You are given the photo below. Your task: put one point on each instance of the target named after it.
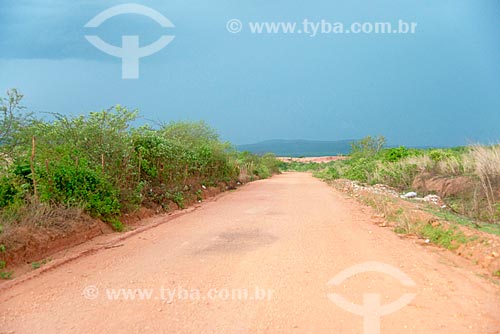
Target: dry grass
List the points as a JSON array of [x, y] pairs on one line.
[[487, 168], [41, 214], [479, 164]]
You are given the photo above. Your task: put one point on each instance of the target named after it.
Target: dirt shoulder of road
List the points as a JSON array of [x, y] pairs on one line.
[[429, 223]]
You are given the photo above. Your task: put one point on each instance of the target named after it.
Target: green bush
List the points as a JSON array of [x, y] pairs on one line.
[[439, 155], [7, 192], [100, 163], [79, 185], [398, 175], [446, 237], [396, 154], [328, 173], [360, 169], [256, 165]]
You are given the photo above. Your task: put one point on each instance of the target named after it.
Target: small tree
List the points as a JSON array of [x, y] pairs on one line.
[[368, 146], [12, 116]]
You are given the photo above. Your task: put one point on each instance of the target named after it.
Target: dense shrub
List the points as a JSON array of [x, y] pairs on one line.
[[7, 192], [77, 184], [102, 164], [396, 154]]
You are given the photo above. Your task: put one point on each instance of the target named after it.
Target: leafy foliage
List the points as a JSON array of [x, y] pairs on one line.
[[104, 165], [476, 167]]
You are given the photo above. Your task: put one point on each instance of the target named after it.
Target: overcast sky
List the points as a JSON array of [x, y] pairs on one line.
[[439, 86]]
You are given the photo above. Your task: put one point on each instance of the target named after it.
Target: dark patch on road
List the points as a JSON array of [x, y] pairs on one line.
[[239, 241]]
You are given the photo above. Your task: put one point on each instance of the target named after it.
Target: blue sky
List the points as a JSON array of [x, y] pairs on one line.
[[439, 86]]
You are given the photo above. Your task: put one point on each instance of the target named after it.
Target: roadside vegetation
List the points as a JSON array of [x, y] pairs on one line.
[[102, 166], [466, 178], [297, 166]]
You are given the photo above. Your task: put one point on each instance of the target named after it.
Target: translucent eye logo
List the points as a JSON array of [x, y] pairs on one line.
[[130, 51], [372, 310]]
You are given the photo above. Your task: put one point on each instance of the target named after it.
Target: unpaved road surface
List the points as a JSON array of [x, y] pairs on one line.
[[283, 240]]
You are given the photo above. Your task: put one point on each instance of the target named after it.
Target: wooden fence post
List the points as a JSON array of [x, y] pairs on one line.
[[32, 166]]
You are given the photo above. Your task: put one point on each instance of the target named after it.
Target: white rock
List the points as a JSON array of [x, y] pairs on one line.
[[411, 194]]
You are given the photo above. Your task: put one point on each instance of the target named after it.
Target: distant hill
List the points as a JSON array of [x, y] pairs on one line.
[[299, 148]]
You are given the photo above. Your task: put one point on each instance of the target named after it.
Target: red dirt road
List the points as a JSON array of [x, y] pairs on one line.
[[283, 240]]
